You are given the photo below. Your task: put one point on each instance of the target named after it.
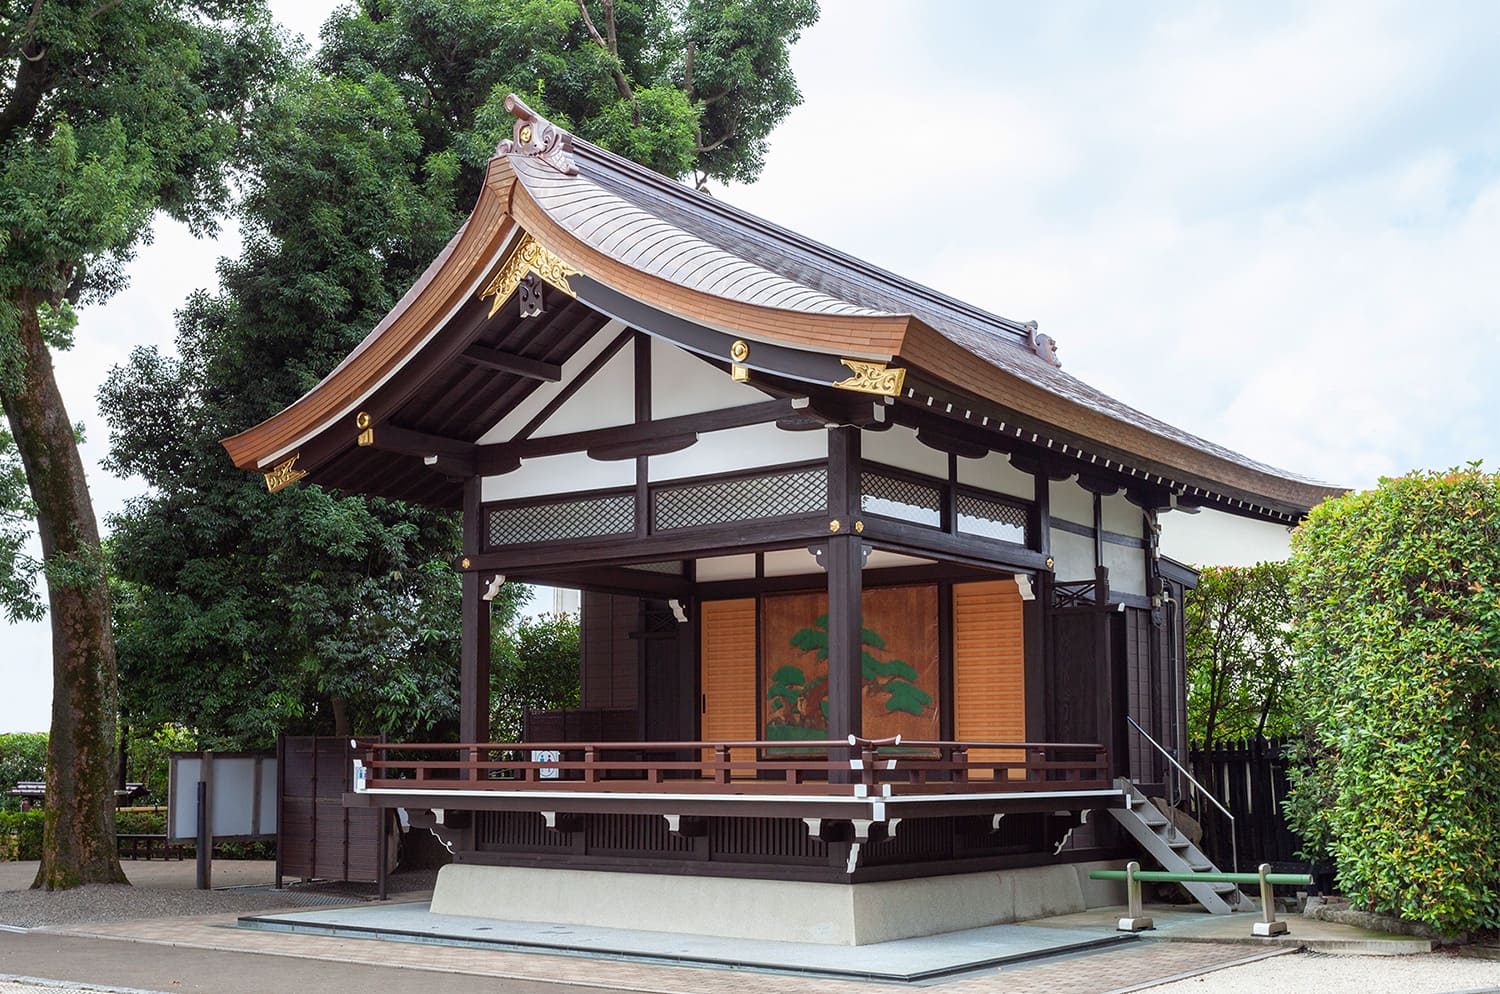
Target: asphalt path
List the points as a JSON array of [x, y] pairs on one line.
[[150, 967]]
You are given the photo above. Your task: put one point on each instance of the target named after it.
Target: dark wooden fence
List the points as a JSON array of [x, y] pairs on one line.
[[1249, 778]]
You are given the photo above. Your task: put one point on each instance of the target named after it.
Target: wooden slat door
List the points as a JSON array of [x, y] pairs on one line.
[[726, 660], [989, 667]]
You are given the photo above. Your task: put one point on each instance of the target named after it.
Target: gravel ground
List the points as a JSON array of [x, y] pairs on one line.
[[109, 902], [9, 987], [1435, 973], [104, 903]]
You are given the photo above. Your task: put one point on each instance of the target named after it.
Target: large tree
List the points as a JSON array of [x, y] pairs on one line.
[[1238, 634], [320, 611], [112, 112]]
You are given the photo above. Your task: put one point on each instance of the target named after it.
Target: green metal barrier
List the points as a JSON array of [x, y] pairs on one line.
[[1136, 920]]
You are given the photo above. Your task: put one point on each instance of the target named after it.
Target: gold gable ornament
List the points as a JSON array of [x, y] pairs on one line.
[[873, 377], [530, 256], [284, 475]]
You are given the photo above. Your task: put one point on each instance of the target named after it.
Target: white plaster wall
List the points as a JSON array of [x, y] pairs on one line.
[[1072, 556], [1069, 501], [539, 398], [1121, 516], [995, 473], [740, 448], [562, 474], [726, 568], [682, 383], [898, 446], [606, 400], [1127, 568], [1214, 538], [791, 562]]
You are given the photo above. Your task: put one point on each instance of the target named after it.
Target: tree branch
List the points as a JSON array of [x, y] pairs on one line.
[[621, 83], [700, 149], [687, 71], [609, 28], [26, 95], [103, 8]]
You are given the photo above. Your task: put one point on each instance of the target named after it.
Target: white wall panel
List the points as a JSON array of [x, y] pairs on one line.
[[898, 446], [564, 474], [1127, 568], [545, 392], [606, 400], [1069, 501], [740, 448], [682, 383], [726, 568], [995, 473], [1121, 516], [1214, 538], [1072, 556]]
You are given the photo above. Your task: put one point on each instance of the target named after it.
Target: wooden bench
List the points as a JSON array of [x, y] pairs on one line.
[[131, 845]]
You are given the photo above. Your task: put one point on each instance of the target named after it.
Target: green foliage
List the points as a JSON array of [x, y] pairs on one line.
[[23, 757], [21, 835], [536, 666], [1397, 597], [359, 166], [1238, 631], [148, 753]]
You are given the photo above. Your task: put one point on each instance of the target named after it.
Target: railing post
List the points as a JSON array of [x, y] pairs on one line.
[[1268, 925], [1135, 919], [590, 775], [721, 763], [959, 758]]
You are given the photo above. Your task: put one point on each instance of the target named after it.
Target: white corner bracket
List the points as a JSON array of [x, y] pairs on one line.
[[495, 584]]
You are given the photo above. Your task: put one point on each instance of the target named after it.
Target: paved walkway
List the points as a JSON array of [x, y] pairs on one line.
[[176, 954]]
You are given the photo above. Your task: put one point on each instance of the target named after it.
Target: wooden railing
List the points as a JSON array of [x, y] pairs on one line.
[[854, 767]]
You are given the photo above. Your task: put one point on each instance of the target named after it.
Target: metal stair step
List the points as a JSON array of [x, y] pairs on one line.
[[1179, 844]]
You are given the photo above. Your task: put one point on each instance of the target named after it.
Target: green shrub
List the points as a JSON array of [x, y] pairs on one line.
[[1397, 602], [23, 756], [20, 835]]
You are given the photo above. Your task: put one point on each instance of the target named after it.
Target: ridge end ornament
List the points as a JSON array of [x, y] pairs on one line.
[[537, 137], [284, 475], [873, 377], [529, 257]]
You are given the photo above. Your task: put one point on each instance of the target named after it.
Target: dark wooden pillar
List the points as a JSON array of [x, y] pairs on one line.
[[474, 669], [844, 561]]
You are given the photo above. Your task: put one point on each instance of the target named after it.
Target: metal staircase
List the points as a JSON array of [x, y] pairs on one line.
[[1174, 851]]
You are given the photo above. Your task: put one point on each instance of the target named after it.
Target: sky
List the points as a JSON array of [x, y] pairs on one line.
[[1275, 225]]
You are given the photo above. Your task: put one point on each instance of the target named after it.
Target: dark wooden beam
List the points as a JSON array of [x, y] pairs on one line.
[[406, 442], [844, 560], [474, 657], [952, 444], [509, 362], [633, 434], [659, 446]]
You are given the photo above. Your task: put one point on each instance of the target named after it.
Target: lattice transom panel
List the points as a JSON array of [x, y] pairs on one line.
[[797, 492], [992, 518], [895, 497], [585, 517]]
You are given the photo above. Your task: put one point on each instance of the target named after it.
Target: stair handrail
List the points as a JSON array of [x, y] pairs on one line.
[[1234, 848]]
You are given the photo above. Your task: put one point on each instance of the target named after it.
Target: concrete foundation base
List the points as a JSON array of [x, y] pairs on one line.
[[785, 910]]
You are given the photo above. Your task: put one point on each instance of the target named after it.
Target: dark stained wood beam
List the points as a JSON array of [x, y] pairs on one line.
[[405, 441], [509, 362], [658, 446], [599, 438]]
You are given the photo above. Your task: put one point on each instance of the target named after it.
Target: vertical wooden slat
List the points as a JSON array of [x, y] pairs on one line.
[[728, 676], [989, 672]]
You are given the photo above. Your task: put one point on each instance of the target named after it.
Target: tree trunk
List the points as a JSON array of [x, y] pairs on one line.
[[78, 842], [340, 716]]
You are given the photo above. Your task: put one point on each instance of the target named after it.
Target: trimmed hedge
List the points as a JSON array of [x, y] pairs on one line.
[[1396, 592], [20, 835]]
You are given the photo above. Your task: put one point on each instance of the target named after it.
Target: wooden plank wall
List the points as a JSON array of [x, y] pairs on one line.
[[611, 658], [727, 657], [989, 673]]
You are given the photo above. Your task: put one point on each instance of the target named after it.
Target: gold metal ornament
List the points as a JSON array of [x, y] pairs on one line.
[[284, 475], [367, 433], [464, 562], [739, 351], [873, 377], [1049, 562], [530, 256], [859, 527], [834, 525], [525, 134]]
